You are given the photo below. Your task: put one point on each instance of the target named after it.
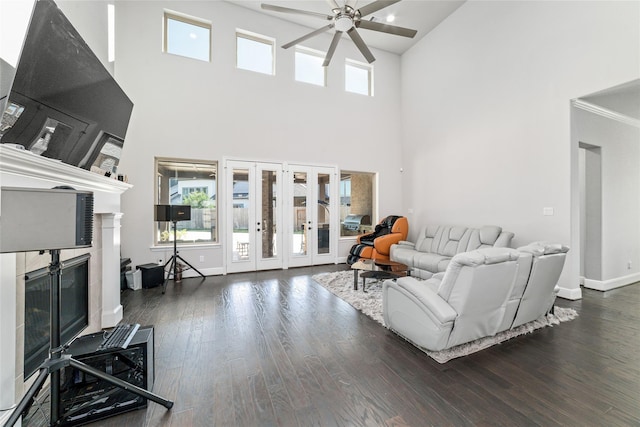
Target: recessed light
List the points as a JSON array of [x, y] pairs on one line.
[[391, 18], [193, 36]]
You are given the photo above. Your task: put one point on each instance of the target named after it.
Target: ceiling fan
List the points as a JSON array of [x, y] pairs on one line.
[[346, 19]]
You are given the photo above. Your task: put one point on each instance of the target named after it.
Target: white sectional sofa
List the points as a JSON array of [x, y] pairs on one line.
[[436, 245], [481, 293]]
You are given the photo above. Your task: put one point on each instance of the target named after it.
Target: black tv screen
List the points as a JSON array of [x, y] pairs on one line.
[[63, 103]]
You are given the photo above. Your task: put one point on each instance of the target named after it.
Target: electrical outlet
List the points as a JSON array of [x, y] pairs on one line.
[[547, 211], [201, 258]]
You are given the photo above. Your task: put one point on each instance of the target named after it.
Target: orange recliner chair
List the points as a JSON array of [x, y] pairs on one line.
[[377, 245]]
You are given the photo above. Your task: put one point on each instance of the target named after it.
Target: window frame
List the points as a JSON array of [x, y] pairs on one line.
[[215, 238], [310, 52], [258, 38], [185, 19], [363, 66]]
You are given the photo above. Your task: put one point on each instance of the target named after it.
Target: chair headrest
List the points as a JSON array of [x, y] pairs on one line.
[[390, 220]]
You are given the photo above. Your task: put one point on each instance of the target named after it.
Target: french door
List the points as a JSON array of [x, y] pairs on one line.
[[253, 216], [313, 215]]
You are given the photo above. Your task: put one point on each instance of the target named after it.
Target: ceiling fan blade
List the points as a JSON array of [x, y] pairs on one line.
[[386, 28], [333, 4], [295, 11], [332, 48], [353, 33], [308, 36], [375, 6]]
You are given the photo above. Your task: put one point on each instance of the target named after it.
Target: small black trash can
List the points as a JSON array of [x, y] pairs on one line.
[[152, 275]]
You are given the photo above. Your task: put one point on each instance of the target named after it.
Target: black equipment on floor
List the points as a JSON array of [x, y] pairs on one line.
[[58, 360], [85, 398], [119, 337]]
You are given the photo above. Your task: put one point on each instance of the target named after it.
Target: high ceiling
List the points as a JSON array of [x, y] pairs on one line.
[[421, 15], [623, 99]]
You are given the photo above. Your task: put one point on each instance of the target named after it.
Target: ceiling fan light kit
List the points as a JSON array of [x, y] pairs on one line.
[[346, 19]]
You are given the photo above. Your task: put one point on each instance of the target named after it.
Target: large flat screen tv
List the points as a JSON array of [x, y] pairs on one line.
[[63, 103]]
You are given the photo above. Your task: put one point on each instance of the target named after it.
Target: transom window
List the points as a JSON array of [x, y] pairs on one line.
[[255, 52], [358, 78], [309, 67], [193, 183], [187, 36]]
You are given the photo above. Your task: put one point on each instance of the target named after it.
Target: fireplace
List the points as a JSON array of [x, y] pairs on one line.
[[74, 315], [23, 169]]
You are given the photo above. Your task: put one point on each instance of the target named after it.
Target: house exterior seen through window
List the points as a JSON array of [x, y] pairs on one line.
[[357, 202], [193, 183], [187, 36], [255, 52], [309, 67], [358, 78]]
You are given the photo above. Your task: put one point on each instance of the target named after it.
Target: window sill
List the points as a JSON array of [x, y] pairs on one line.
[[185, 246]]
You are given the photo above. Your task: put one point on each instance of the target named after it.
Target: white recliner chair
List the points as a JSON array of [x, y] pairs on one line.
[[466, 302], [541, 290]]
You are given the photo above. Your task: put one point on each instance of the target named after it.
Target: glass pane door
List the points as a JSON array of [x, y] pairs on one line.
[[253, 216], [324, 213], [299, 205], [268, 226], [312, 230], [240, 216]]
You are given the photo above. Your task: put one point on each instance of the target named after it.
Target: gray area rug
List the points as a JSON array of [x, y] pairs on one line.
[[340, 283]]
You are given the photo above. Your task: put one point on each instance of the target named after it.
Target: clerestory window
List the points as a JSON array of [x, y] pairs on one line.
[[187, 36]]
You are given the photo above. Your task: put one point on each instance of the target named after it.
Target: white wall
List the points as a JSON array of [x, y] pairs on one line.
[[486, 112], [620, 210], [196, 110]]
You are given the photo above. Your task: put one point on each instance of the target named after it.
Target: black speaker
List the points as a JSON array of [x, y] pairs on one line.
[[84, 399], [173, 213]]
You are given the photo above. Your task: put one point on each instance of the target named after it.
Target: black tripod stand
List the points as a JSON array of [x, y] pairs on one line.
[[58, 360], [173, 261]]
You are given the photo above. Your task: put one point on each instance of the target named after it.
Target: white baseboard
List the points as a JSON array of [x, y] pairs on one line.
[[110, 320], [607, 285], [570, 294], [217, 271]]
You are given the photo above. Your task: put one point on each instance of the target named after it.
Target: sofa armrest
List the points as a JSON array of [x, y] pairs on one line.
[[437, 308], [383, 244], [407, 244], [417, 313]]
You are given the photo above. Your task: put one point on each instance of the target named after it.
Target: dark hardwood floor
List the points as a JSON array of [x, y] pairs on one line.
[[274, 348]]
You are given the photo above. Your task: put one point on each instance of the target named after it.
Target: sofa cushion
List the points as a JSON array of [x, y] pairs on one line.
[[483, 237], [452, 238], [429, 238], [402, 254], [430, 261]]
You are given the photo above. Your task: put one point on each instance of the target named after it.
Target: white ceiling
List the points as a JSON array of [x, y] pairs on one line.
[[623, 99], [420, 15]]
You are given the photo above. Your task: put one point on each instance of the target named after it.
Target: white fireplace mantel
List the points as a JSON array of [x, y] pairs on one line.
[[23, 169]]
